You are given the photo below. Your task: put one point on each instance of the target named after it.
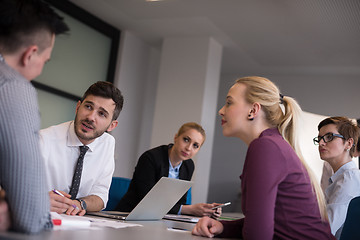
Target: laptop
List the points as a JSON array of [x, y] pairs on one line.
[[156, 203]]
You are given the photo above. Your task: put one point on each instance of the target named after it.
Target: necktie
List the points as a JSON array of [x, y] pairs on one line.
[[77, 174]]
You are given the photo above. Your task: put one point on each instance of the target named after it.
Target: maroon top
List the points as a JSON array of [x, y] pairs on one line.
[[277, 197]]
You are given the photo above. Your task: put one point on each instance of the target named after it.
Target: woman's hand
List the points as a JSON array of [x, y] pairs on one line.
[[208, 227], [217, 212], [200, 209]]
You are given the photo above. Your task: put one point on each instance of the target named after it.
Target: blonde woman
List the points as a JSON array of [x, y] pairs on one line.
[[174, 161], [279, 198]]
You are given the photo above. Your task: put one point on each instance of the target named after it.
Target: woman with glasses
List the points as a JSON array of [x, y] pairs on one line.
[[337, 142], [327, 171], [280, 197]]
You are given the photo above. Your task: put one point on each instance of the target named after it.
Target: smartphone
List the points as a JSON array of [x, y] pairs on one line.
[[222, 205]]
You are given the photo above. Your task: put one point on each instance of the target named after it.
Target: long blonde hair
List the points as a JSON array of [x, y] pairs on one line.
[[266, 93]]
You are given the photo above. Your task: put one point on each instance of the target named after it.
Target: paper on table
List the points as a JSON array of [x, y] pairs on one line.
[[95, 223], [104, 222], [64, 221]]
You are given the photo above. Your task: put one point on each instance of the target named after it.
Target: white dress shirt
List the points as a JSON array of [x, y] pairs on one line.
[[60, 149], [344, 186]]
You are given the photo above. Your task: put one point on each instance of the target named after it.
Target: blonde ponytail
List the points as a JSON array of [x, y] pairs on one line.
[[289, 129], [265, 92]]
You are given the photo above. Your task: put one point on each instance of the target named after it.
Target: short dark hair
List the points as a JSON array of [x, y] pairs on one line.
[[345, 127], [106, 90], [24, 22]]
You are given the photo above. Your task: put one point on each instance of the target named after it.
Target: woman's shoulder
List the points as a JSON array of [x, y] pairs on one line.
[[266, 143], [350, 175], [158, 150], [189, 162], [271, 147], [156, 154]]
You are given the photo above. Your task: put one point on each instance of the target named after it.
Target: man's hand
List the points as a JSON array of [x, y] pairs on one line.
[[75, 209], [208, 227], [63, 204], [5, 220]]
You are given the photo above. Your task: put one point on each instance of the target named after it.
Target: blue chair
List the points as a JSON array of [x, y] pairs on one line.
[[351, 229], [118, 188], [188, 197]]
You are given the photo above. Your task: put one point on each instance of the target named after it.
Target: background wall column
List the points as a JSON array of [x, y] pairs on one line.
[[187, 91]]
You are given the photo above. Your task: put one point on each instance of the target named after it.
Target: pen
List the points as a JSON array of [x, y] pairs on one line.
[[222, 205], [59, 193], [177, 229]]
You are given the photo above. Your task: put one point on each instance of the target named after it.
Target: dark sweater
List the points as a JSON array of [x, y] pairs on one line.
[[277, 197]]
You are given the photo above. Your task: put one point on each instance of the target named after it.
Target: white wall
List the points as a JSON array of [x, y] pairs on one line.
[[187, 91], [137, 80]]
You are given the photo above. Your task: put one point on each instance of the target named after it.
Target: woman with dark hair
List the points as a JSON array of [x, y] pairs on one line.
[[337, 140]]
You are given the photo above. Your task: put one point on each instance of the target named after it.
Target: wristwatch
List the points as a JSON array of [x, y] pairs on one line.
[[82, 203]]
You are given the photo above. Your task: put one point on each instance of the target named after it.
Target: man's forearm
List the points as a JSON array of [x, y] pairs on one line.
[[94, 203]]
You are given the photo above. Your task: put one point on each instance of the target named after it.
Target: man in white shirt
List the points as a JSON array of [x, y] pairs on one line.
[[60, 146]]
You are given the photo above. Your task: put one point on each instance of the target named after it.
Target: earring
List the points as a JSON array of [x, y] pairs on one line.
[[250, 118], [348, 150]]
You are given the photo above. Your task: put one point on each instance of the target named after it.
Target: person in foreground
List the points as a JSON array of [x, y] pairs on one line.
[[174, 161], [27, 35], [79, 155], [280, 197], [337, 142]]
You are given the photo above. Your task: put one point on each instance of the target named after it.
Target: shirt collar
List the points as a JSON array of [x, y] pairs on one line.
[[73, 140], [269, 132], [176, 169], [341, 170]]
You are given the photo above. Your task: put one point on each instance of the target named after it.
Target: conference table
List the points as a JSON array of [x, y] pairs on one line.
[[149, 230]]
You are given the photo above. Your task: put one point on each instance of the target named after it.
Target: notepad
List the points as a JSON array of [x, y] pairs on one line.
[[68, 221]]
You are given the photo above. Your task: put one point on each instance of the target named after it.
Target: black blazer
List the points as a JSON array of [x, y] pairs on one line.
[[152, 165]]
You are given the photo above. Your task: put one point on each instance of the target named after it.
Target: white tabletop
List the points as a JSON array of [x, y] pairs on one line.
[[150, 230]]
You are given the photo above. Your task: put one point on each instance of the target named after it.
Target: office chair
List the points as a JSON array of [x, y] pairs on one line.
[[351, 229], [188, 197], [118, 188]]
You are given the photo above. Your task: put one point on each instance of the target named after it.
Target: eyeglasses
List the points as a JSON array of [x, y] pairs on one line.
[[327, 138]]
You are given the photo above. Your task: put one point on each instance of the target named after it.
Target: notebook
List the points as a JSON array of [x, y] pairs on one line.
[[156, 203]]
